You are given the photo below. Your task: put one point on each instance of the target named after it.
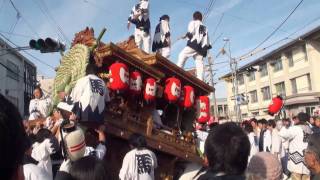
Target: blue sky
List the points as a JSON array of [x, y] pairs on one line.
[[245, 22]]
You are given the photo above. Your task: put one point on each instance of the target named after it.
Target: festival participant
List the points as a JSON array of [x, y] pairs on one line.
[[90, 96], [43, 148], [39, 106], [95, 142], [139, 163], [297, 136], [230, 160], [30, 169], [139, 16], [316, 127], [256, 129], [276, 144], [197, 46], [253, 144], [161, 41], [263, 136], [312, 156], [12, 141]]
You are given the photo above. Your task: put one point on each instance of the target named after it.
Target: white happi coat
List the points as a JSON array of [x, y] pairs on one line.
[[138, 165], [39, 108], [90, 95], [161, 38], [297, 136]]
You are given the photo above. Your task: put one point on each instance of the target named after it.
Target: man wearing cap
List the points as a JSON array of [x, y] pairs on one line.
[[312, 156]]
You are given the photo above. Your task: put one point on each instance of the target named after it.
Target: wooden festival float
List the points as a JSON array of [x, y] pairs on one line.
[[133, 110]]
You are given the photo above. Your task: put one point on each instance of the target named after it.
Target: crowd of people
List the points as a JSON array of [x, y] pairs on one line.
[[255, 149]]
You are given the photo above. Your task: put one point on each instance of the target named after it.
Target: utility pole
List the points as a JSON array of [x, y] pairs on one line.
[[215, 107], [234, 67]]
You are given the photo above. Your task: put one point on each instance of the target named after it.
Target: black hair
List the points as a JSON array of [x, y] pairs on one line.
[[227, 149], [91, 67], [254, 120], [137, 141], [197, 16], [303, 117], [272, 123], [12, 139], [247, 127], [43, 134], [263, 121], [165, 17], [39, 88], [88, 167], [91, 137]]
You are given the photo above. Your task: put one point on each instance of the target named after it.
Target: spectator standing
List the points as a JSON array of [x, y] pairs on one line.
[[262, 124], [139, 163], [256, 129], [276, 144], [297, 136], [230, 160], [253, 144], [316, 127]]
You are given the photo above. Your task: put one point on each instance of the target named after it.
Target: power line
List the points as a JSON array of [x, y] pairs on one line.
[[274, 31], [16, 34], [18, 12], [35, 58], [281, 40], [45, 11], [219, 22]]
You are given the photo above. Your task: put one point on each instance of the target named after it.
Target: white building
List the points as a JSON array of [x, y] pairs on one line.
[[291, 71], [46, 84], [17, 77]]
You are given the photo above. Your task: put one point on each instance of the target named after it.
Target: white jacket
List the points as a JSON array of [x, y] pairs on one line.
[[138, 165], [276, 143], [39, 107], [34, 172], [267, 141], [253, 144], [41, 152], [297, 136]]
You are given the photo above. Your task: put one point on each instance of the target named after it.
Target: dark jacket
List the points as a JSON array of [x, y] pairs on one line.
[[61, 175]]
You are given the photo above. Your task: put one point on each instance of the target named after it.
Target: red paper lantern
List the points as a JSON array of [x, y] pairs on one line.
[[150, 90], [276, 105], [172, 89], [203, 109], [135, 82], [187, 97], [119, 76]]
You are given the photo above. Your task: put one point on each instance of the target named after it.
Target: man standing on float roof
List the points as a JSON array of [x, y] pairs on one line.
[[139, 16], [197, 46], [161, 40]]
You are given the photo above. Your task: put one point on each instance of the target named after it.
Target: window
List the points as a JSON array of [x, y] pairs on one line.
[[304, 50], [12, 70], [266, 93], [251, 76], [290, 58], [244, 115], [253, 96], [280, 89], [294, 86], [263, 70], [310, 110], [240, 79], [254, 114], [309, 82], [277, 65]]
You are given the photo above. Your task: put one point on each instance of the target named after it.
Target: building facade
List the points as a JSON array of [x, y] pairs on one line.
[[291, 71], [17, 77]]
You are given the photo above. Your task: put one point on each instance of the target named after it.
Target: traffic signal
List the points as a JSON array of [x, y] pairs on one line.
[[47, 45]]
